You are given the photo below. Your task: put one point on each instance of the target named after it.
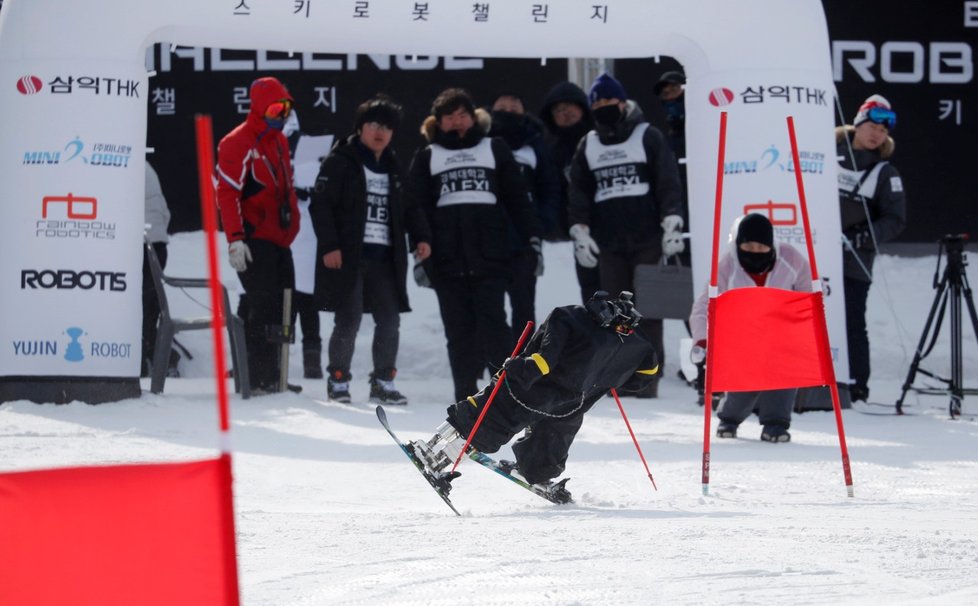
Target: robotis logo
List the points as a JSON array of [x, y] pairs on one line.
[[29, 85]]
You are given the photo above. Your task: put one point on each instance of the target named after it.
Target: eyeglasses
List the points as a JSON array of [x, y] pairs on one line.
[[881, 115], [279, 110], [378, 126]]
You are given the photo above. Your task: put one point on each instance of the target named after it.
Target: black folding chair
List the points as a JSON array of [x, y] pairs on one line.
[[170, 326]]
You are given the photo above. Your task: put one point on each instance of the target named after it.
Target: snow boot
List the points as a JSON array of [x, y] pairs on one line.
[[858, 394], [726, 430], [775, 433], [382, 391], [439, 452], [338, 387], [312, 365]]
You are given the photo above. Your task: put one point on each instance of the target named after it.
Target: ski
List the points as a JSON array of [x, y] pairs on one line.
[[555, 493], [440, 483], [880, 409]]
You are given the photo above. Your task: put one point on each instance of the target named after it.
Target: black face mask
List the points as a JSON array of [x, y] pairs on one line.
[[609, 115], [756, 263], [509, 126]]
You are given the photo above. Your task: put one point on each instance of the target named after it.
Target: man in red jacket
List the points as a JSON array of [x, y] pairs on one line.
[[261, 218]]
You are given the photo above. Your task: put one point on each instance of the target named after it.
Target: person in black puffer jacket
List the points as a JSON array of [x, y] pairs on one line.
[[625, 197], [471, 190], [523, 134], [872, 186], [567, 115], [360, 219]]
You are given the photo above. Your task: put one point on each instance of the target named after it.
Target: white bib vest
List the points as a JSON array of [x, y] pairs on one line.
[[377, 229], [620, 170], [464, 176], [849, 181]]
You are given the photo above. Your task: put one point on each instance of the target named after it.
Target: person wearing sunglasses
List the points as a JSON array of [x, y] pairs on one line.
[[260, 216], [873, 208], [361, 220]]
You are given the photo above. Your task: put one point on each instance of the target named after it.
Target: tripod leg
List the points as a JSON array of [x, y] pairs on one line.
[[912, 373], [957, 368]]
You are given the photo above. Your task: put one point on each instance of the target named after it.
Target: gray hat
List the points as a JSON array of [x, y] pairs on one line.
[[668, 78]]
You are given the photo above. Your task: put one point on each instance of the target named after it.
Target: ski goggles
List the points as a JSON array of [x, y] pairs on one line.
[[279, 110], [881, 115]]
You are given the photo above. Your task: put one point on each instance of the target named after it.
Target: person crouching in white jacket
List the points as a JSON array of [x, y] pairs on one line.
[[754, 259]]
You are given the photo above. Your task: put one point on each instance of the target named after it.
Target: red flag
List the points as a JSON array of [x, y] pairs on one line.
[[768, 338], [152, 534]]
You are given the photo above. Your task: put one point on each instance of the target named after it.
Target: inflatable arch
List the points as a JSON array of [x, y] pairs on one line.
[[74, 92]]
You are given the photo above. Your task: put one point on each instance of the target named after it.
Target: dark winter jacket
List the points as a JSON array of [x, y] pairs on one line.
[[254, 184], [878, 183], [631, 222], [562, 143], [339, 213], [571, 357], [470, 240], [524, 136]]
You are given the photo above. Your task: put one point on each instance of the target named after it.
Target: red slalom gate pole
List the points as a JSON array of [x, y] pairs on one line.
[[621, 409], [205, 169], [711, 308], [492, 396], [827, 369]]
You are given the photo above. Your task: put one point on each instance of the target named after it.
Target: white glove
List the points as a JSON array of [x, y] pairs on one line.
[[672, 243], [239, 256], [585, 248], [672, 223], [672, 237]]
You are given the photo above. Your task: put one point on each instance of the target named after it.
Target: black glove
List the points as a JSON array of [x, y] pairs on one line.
[[860, 238], [421, 276], [537, 247]]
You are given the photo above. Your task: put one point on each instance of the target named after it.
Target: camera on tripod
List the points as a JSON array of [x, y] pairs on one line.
[[953, 289]]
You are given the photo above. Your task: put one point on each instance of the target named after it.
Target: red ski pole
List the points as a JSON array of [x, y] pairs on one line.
[[492, 396], [614, 392]]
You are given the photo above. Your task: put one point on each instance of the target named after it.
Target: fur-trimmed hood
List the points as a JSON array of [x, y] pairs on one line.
[[886, 150], [483, 121]]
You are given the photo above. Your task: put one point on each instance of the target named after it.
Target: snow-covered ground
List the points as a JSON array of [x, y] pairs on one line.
[[330, 512]]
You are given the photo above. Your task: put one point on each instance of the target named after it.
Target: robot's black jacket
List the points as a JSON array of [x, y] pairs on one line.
[[571, 356]]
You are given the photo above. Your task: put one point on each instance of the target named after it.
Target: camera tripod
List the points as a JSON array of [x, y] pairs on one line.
[[952, 288]]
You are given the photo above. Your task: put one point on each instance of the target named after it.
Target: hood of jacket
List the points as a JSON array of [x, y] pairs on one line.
[[483, 122], [264, 92], [565, 91], [885, 150]]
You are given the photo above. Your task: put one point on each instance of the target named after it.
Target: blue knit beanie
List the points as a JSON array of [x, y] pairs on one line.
[[606, 87]]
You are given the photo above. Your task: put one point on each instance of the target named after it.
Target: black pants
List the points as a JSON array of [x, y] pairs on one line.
[[375, 288], [542, 452], [857, 292], [522, 291], [773, 407], [589, 280], [264, 280], [151, 307], [618, 274], [304, 307], [474, 316]]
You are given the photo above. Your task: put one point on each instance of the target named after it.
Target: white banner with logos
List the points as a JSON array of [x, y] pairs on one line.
[[759, 173], [74, 125], [70, 256]]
